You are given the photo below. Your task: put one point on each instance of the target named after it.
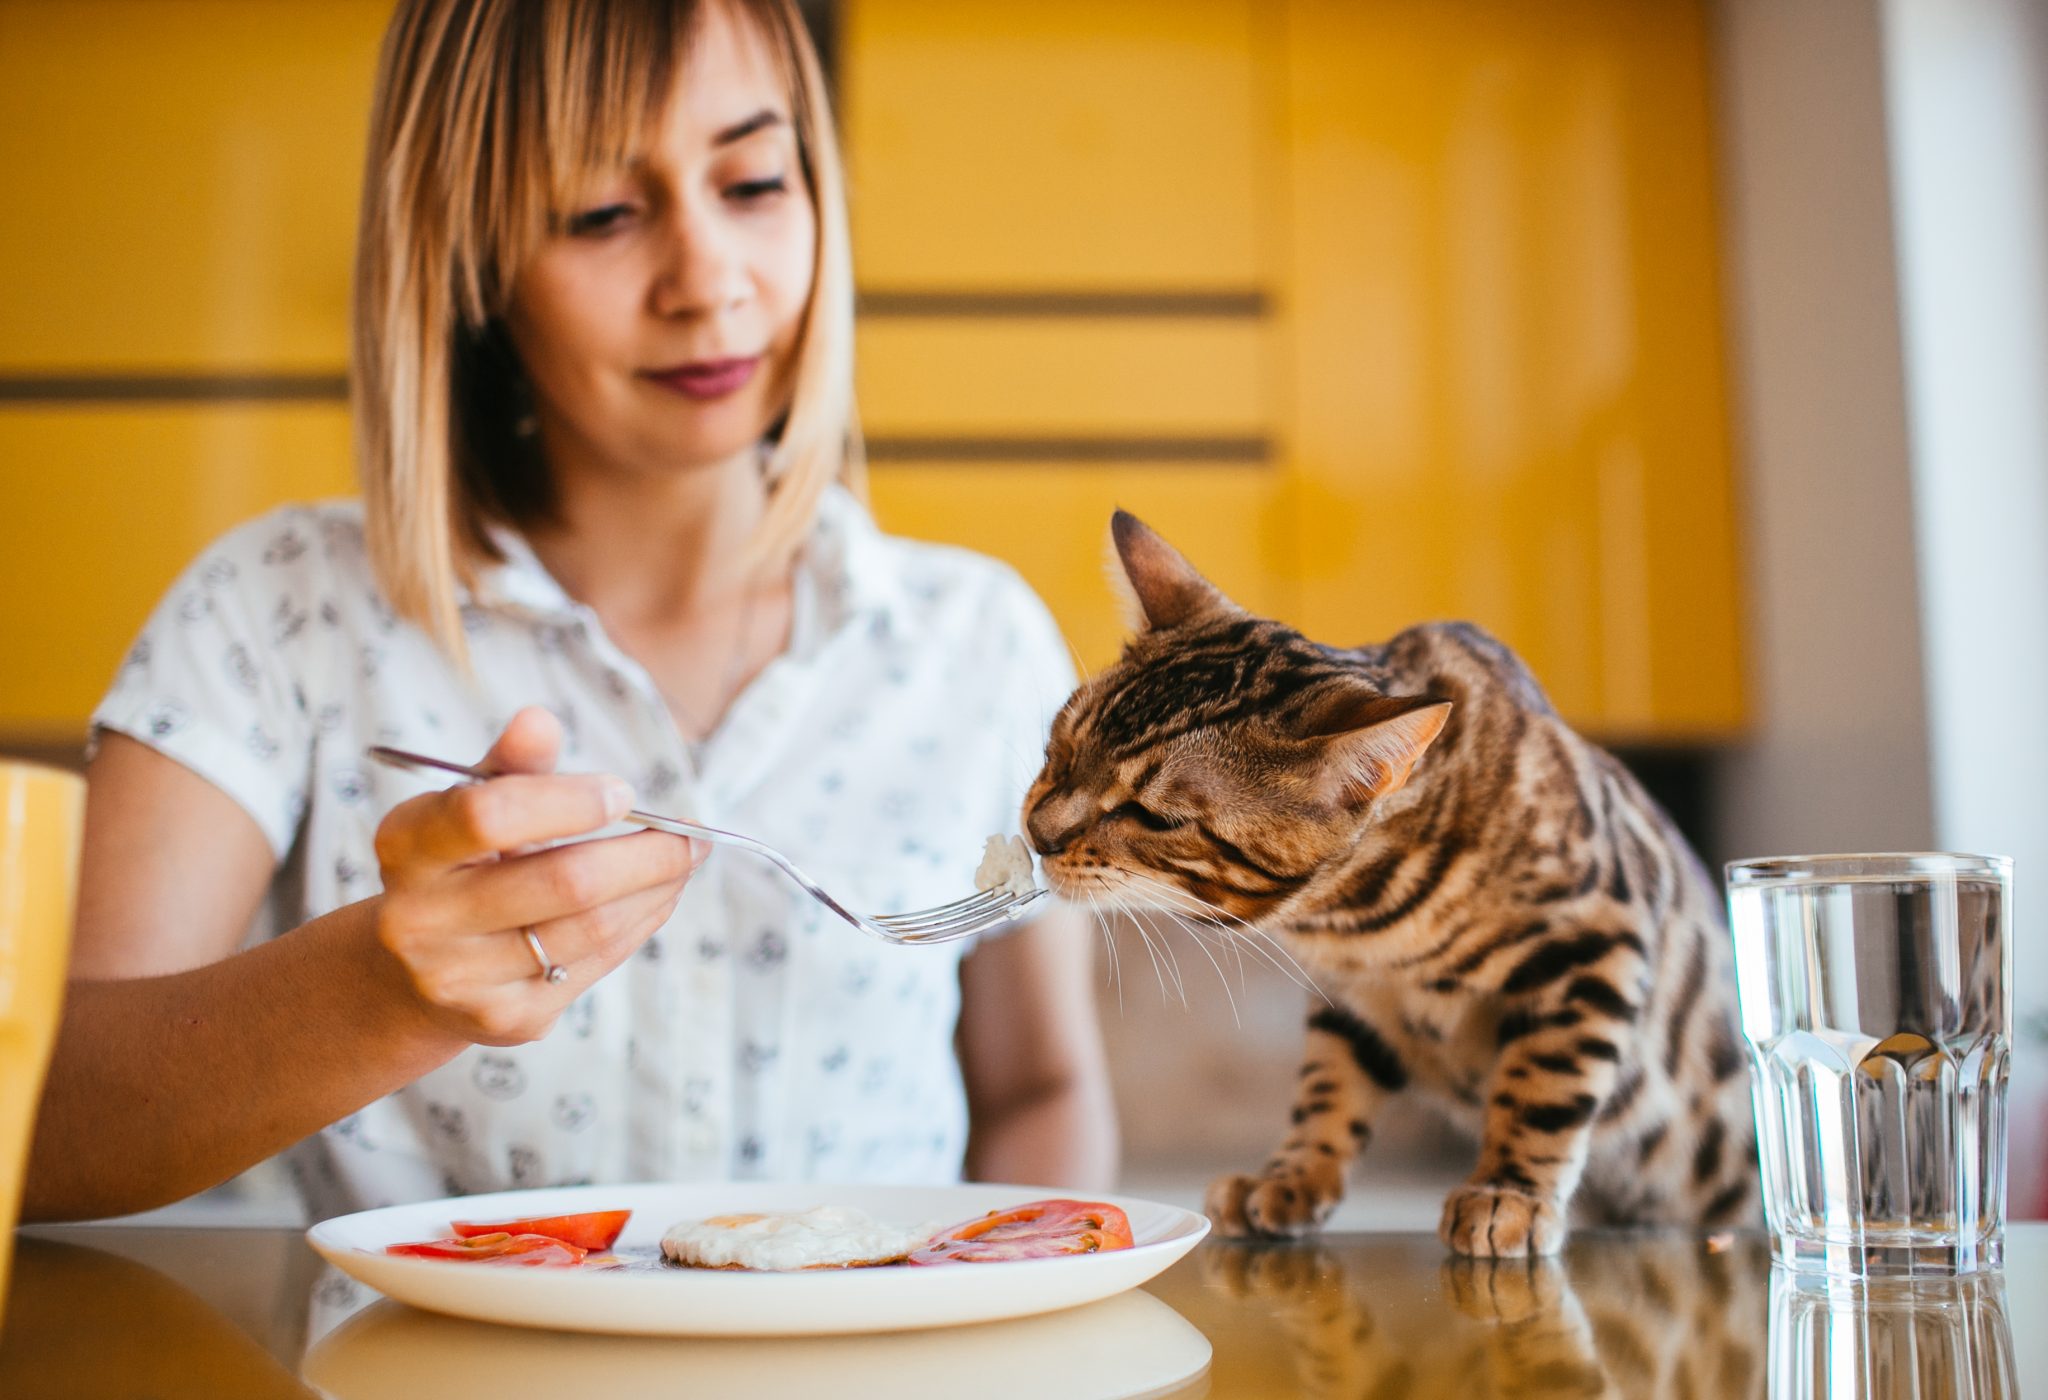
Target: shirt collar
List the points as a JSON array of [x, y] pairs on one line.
[[519, 581], [846, 565]]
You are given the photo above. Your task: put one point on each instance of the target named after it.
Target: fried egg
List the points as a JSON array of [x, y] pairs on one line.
[[829, 1237]]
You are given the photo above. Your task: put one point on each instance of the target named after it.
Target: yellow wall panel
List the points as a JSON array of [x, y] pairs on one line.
[[1506, 397], [1059, 375], [1051, 522], [105, 506], [1056, 143], [1483, 232], [181, 180]]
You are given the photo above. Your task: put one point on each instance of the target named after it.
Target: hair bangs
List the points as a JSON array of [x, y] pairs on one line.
[[578, 91]]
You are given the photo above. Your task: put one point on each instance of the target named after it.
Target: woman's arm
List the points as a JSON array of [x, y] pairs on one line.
[[1031, 1052], [180, 1062], [162, 1086]]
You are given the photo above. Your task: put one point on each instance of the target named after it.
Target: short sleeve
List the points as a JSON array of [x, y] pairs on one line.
[[209, 682]]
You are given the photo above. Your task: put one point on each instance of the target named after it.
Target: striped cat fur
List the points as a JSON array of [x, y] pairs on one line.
[[1496, 914]]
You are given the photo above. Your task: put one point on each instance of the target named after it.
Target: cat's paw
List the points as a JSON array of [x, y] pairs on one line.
[[1490, 1221], [1281, 1202]]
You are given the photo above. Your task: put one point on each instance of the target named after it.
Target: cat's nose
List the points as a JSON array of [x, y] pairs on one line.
[[1048, 837]]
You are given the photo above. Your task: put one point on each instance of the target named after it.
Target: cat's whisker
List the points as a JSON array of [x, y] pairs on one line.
[[1133, 905], [1194, 931], [1225, 941], [1256, 936], [1157, 971], [1109, 943], [1168, 961], [1173, 964], [1236, 940], [1261, 942], [1116, 962]]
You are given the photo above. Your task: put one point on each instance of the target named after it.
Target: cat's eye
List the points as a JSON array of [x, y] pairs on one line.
[[1147, 818]]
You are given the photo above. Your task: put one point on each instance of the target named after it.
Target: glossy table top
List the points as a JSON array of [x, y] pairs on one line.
[[231, 1313]]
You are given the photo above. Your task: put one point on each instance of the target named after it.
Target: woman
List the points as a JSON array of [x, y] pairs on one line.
[[602, 386]]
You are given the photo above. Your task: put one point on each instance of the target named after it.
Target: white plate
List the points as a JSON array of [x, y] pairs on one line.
[[727, 1303]]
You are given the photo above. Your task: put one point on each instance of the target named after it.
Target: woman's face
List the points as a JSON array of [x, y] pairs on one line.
[[659, 321]]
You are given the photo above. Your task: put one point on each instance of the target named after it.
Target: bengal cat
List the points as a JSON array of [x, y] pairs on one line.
[[1495, 912]]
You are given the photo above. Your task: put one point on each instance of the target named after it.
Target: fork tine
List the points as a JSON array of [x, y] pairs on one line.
[[953, 933], [974, 899], [940, 913], [989, 910], [960, 909]]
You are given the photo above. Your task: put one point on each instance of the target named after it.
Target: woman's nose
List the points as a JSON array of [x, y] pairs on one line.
[[700, 273]]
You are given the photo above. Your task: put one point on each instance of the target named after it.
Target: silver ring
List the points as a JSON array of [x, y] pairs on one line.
[[550, 970]]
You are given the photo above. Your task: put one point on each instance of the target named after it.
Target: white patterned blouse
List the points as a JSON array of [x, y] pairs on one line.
[[751, 1037]]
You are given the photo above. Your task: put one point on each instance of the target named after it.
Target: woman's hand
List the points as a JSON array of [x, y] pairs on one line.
[[466, 871]]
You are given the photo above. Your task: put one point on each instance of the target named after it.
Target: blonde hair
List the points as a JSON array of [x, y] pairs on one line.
[[486, 115]]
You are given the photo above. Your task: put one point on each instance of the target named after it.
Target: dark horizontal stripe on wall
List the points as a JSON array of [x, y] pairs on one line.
[[1243, 304], [1069, 449], [172, 388]]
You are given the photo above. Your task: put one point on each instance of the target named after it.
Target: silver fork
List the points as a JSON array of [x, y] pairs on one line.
[[946, 923]]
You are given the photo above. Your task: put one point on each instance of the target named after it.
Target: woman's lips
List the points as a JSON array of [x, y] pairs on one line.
[[706, 379]]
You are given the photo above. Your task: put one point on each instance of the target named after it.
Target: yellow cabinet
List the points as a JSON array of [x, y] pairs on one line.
[[1064, 231], [1473, 363], [104, 506], [1383, 310], [181, 182], [1057, 144], [1505, 347], [182, 187]]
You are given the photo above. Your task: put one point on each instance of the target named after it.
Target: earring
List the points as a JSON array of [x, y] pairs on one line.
[[525, 425]]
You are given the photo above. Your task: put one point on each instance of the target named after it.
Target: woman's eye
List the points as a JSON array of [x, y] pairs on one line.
[[747, 191], [1147, 818], [603, 219]]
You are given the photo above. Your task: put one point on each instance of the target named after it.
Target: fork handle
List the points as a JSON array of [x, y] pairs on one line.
[[675, 826]]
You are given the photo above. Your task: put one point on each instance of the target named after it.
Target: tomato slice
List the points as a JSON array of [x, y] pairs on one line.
[[532, 1251], [1039, 1230], [593, 1230]]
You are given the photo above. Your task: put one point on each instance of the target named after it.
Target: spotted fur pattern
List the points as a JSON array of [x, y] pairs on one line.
[[1496, 914]]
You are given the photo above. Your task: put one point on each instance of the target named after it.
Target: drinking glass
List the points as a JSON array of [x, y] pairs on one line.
[[1876, 995], [40, 813], [1890, 1339]]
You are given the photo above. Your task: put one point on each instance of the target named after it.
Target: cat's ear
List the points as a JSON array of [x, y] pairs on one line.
[[1370, 742], [1165, 588]]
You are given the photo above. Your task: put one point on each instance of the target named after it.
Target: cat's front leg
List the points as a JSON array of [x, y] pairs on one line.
[[1347, 1071], [1559, 1060]]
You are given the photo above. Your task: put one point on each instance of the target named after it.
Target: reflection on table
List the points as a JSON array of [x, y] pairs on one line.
[[230, 1313], [1129, 1345], [87, 1322], [1891, 1339], [1635, 1315]]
